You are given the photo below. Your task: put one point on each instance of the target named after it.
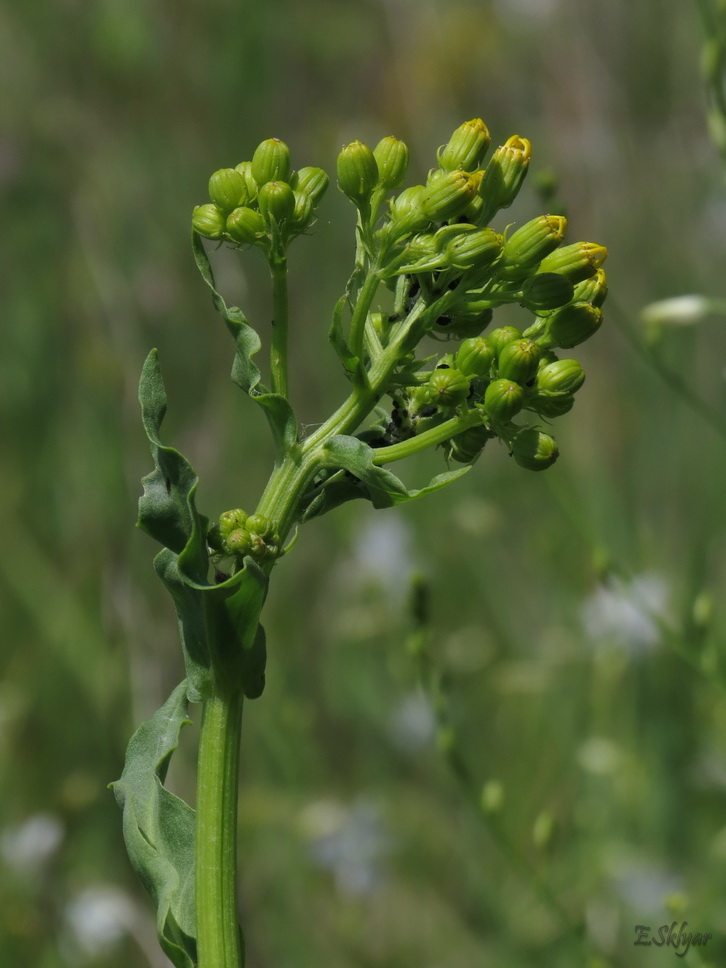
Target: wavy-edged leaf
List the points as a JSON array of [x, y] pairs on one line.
[[159, 828], [218, 624], [245, 372], [166, 508], [383, 488], [340, 488]]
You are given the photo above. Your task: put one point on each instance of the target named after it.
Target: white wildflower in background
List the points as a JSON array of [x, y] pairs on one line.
[[349, 842], [677, 311], [627, 612], [382, 555], [642, 885], [28, 846], [412, 724], [599, 755], [97, 918]]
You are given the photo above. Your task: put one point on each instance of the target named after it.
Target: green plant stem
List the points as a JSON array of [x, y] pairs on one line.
[[360, 313], [429, 438], [290, 479], [219, 939], [278, 350]]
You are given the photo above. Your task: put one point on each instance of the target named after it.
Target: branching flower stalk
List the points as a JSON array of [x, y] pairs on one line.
[[428, 268]]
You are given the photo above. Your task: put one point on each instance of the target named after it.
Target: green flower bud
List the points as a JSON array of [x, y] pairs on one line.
[[392, 159], [473, 211], [550, 404], [534, 450], [357, 171], [467, 445], [479, 248], [407, 212], [545, 291], [238, 542], [245, 170], [312, 181], [245, 226], [504, 174], [576, 262], [261, 525], [466, 147], [563, 376], [518, 360], [592, 290], [573, 324], [475, 357], [464, 322], [498, 338], [302, 214], [271, 162], [447, 196], [226, 189], [277, 201], [448, 387], [533, 241], [422, 253], [208, 221], [231, 520], [503, 399]]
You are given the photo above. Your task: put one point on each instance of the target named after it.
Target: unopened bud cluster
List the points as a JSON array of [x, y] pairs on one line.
[[261, 202], [239, 535], [449, 270], [438, 247]]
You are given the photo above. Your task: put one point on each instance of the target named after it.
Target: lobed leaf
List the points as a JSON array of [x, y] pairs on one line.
[[159, 828], [382, 488], [245, 372], [218, 623]]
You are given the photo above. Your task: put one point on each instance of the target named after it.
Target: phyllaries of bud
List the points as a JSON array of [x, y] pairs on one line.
[[227, 189], [311, 181], [572, 325], [504, 175], [208, 221], [518, 360], [576, 262], [534, 240], [245, 226], [466, 147], [391, 157], [546, 291], [475, 357], [271, 162], [447, 194], [533, 449], [357, 171], [503, 399]]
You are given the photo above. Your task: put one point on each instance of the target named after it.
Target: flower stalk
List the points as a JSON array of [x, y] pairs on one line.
[[448, 272]]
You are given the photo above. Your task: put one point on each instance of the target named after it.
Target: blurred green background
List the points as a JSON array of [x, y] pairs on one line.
[[570, 612]]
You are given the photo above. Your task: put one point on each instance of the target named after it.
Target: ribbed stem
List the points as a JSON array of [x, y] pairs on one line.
[[219, 939], [278, 350]]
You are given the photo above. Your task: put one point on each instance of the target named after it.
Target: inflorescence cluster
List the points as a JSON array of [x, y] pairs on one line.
[[446, 271]]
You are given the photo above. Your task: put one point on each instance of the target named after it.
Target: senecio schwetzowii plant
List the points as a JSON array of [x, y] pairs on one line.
[[427, 264]]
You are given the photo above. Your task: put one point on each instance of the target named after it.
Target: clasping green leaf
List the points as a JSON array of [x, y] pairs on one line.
[[159, 828]]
